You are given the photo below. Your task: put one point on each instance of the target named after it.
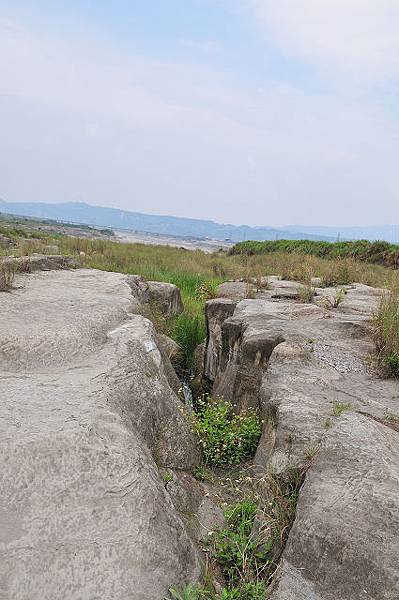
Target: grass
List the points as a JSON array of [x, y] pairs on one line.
[[167, 478], [336, 300], [391, 418], [279, 512], [239, 553], [7, 275], [378, 252], [198, 274], [338, 408], [249, 591], [386, 323]]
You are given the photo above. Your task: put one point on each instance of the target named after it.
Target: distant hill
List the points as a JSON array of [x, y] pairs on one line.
[[79, 212], [388, 233]]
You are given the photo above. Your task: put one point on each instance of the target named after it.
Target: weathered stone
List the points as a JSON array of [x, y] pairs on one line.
[[167, 296], [42, 262], [325, 414], [236, 290], [344, 541], [170, 347], [198, 507], [289, 290], [216, 312], [87, 417]]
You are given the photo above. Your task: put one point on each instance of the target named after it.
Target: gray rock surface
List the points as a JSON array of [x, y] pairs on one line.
[[87, 418], [324, 406], [42, 262], [170, 347], [165, 296], [216, 312]]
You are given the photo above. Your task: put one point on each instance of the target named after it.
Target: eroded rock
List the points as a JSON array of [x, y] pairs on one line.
[[309, 369], [165, 296], [87, 419], [42, 262]]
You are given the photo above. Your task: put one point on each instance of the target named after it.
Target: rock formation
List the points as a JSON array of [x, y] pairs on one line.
[[308, 369], [88, 422], [97, 497]]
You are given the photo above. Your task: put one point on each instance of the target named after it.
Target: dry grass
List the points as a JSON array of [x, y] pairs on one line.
[[386, 323], [7, 275]]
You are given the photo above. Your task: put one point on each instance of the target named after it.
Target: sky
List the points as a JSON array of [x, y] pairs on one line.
[[264, 112]]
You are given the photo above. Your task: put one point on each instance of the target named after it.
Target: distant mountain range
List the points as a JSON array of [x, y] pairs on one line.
[[80, 212]]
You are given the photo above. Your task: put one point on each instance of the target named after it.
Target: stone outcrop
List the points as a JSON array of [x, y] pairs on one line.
[[87, 421], [216, 313], [308, 369], [41, 262], [165, 296]]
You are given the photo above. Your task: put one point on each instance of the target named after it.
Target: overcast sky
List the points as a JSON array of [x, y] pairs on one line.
[[266, 112]]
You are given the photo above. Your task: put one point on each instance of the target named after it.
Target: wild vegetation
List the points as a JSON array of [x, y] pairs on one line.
[[387, 329], [379, 252], [7, 274], [226, 438], [198, 274]]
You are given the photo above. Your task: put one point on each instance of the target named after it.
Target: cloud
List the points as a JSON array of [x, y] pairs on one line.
[[81, 120], [351, 37]]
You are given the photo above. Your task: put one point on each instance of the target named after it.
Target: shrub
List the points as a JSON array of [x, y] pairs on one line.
[[226, 438]]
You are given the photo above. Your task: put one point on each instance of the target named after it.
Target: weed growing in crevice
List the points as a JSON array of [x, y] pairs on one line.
[[238, 553], [306, 293], [386, 324], [247, 591], [336, 300], [338, 408], [226, 438]]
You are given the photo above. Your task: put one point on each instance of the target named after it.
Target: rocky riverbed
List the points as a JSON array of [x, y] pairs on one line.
[[90, 423]]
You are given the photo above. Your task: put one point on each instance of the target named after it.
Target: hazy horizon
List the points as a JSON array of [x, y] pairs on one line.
[[240, 111]]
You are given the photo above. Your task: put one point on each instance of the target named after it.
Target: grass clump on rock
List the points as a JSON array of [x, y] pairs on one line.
[[7, 274], [226, 438], [387, 329]]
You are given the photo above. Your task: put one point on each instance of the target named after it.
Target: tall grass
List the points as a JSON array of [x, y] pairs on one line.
[[378, 252], [387, 328], [7, 274]]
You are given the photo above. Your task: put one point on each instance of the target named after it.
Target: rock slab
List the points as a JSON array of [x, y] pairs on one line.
[[87, 418]]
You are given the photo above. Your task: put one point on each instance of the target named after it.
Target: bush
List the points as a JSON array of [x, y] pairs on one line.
[[379, 252], [226, 438]]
